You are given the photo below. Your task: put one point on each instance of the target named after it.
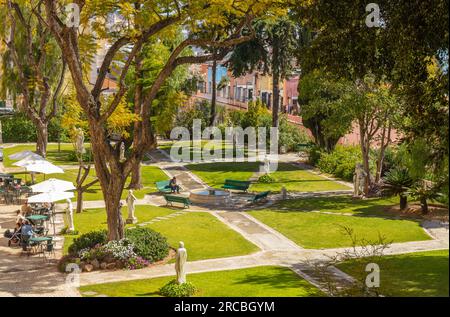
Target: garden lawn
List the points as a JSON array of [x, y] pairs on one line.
[[205, 237], [264, 281], [62, 157], [287, 175], [215, 174], [295, 179], [341, 205], [150, 174], [315, 230], [412, 274]]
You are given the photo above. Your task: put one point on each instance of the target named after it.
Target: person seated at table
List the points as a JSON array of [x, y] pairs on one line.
[[26, 232], [25, 209], [19, 217], [173, 185]]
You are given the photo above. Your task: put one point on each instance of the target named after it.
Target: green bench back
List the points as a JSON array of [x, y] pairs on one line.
[[235, 183], [177, 199], [162, 184]]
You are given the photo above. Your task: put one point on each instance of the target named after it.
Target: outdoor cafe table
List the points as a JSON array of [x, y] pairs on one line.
[[40, 242], [34, 218]]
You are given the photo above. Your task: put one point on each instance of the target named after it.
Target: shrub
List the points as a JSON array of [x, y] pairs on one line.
[[314, 154], [173, 289], [148, 244], [397, 182], [341, 162], [291, 135], [266, 179], [88, 241]]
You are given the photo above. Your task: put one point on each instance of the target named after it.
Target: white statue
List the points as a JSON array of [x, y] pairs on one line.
[[131, 199], [266, 165], [122, 151], [359, 178], [80, 141], [180, 261], [70, 224]]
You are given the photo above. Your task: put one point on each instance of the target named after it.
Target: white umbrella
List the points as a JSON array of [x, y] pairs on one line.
[[49, 197], [43, 167], [31, 158], [52, 185], [21, 155]]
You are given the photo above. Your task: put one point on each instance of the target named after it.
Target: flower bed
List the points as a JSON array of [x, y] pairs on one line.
[[92, 252]]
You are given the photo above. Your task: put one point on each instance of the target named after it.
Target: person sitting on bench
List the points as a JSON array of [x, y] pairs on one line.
[[173, 185]]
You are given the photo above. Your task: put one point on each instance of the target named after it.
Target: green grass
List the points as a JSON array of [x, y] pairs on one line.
[[413, 274], [287, 175], [215, 174], [53, 155], [314, 230], [150, 174], [296, 179], [264, 281], [340, 205], [205, 237]]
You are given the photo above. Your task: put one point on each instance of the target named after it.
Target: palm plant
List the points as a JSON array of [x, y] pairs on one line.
[[423, 191], [398, 182]]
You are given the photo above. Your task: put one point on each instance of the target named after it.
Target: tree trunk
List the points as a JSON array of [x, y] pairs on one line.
[[136, 177], [424, 206], [212, 119], [365, 147], [79, 200], [276, 98], [113, 208], [385, 140], [42, 139], [403, 202]]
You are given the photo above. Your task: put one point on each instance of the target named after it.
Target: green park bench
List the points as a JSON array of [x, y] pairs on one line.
[[260, 196], [236, 185], [170, 199], [163, 186]]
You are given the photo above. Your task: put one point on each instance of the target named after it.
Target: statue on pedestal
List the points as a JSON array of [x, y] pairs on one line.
[[69, 214], [359, 178], [180, 262], [80, 141], [131, 199]]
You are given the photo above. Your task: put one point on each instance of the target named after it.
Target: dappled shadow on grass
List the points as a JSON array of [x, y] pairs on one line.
[[414, 274], [336, 204], [282, 278]]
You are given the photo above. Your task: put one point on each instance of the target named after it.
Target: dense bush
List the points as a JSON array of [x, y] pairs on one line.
[[149, 244], [19, 129], [173, 289], [341, 162], [87, 156], [290, 135], [88, 241]]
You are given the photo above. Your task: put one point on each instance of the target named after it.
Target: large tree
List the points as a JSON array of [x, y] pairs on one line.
[[270, 51], [139, 23], [33, 72], [412, 38]]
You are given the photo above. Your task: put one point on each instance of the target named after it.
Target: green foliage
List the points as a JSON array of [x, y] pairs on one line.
[[266, 179], [88, 241], [320, 104], [19, 129], [173, 289], [290, 135], [397, 182], [341, 162], [148, 244]]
